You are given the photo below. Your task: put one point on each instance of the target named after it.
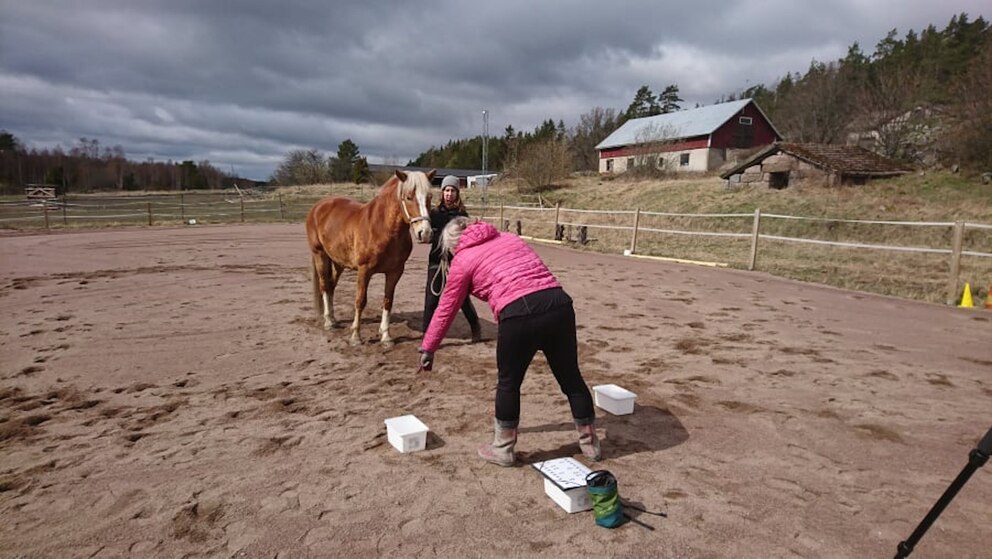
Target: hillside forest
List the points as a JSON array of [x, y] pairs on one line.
[[921, 98]]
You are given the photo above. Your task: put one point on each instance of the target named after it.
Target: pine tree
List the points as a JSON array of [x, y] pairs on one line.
[[669, 99]]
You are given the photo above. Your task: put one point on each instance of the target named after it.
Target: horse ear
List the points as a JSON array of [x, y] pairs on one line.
[[401, 175], [430, 174]]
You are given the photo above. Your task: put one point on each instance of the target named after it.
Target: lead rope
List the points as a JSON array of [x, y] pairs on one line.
[[442, 272]]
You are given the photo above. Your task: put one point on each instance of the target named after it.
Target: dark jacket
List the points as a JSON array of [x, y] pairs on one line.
[[440, 216]]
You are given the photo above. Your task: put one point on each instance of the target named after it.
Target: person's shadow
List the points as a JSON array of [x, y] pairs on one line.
[[648, 429], [459, 329]]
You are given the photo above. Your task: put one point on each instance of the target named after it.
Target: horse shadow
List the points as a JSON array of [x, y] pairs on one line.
[[648, 429]]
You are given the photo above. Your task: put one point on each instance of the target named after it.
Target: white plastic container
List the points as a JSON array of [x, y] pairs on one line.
[[406, 433], [572, 500], [565, 483], [614, 399]]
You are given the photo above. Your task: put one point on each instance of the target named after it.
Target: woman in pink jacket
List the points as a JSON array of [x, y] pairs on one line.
[[533, 313]]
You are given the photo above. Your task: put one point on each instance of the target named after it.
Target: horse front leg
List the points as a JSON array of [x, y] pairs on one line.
[[361, 299], [392, 279]]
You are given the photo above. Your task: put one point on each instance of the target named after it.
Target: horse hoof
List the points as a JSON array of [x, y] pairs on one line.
[[330, 325], [355, 342], [388, 343]]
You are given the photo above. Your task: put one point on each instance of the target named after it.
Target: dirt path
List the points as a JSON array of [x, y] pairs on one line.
[[165, 393]]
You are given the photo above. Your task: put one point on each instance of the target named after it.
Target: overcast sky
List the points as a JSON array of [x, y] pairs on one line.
[[240, 83]]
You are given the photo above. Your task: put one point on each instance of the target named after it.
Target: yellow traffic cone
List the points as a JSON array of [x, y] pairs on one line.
[[966, 301]]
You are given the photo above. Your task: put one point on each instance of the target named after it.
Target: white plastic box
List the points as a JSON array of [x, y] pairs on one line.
[[406, 433], [572, 500], [614, 399], [565, 483]]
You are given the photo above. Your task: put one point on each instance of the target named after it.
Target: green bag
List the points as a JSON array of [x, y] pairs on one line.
[[606, 505]]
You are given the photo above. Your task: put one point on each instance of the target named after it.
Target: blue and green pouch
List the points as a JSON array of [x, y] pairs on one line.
[[606, 505]]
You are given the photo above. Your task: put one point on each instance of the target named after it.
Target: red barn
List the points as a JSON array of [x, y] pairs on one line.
[[700, 139]]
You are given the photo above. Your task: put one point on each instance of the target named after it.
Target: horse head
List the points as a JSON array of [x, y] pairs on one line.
[[414, 193]]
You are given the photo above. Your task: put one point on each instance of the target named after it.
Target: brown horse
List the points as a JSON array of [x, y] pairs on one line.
[[371, 238]]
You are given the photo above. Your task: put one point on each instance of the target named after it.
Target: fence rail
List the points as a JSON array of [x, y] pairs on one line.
[[634, 232]]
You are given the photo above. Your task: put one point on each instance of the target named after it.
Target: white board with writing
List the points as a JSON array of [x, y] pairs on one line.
[[566, 473]]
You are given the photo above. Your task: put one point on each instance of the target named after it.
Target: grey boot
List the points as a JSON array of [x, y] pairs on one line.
[[588, 441], [500, 452]]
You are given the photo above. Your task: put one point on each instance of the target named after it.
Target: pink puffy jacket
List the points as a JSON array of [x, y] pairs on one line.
[[495, 267]]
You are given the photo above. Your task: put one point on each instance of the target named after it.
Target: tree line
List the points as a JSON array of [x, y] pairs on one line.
[[87, 166]]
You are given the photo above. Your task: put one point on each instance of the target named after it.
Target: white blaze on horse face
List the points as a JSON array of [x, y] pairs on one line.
[[421, 189]]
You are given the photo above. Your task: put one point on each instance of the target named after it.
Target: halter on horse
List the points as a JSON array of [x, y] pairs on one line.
[[371, 238]]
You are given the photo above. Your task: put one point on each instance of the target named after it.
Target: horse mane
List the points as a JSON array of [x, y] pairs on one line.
[[405, 187]]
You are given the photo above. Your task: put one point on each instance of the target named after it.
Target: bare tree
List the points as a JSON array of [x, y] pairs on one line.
[[650, 151], [302, 166], [541, 164], [892, 121], [817, 108], [593, 127], [969, 137]]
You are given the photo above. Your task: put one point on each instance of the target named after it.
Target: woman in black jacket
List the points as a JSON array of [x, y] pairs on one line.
[[448, 207]]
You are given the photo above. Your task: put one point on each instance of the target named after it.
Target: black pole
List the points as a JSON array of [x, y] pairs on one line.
[[976, 459]]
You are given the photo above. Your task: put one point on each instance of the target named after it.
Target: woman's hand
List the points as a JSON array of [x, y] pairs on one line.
[[426, 360]]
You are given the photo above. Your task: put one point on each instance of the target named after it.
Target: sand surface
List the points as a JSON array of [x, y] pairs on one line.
[[165, 392]]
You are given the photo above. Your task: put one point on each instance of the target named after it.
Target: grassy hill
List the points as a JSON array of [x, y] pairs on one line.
[[927, 197]]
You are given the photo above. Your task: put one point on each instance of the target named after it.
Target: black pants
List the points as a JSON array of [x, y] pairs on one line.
[[519, 338], [431, 301]]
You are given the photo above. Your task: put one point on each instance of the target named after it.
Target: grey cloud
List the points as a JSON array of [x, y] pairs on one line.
[[246, 81]]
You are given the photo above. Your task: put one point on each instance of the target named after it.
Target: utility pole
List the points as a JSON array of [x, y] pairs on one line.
[[485, 157]]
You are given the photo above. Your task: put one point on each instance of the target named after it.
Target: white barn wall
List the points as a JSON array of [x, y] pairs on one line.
[[700, 160]]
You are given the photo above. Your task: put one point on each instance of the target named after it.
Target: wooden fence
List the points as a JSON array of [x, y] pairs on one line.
[[746, 240]]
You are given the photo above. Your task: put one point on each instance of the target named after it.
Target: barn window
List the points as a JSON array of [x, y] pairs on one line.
[[745, 120], [684, 160], [630, 162]]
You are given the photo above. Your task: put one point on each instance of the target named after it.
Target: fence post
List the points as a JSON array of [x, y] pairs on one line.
[[633, 237], [149, 214], [44, 204], [754, 239], [557, 214], [242, 198], [500, 224], [65, 220], [281, 216], [182, 207], [952, 280]]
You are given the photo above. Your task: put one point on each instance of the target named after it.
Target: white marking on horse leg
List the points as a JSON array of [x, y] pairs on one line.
[[356, 337], [328, 312], [384, 329]]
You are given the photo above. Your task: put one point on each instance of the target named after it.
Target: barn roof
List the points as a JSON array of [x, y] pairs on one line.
[[689, 123], [846, 160]]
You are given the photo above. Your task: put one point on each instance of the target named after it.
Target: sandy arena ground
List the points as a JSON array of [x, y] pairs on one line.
[[165, 393]]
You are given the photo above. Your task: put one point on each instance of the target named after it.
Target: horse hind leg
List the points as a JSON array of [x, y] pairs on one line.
[[387, 307], [325, 278], [361, 299]]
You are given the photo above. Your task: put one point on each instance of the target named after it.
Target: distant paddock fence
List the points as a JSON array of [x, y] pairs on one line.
[[185, 208], [911, 259], [935, 255]]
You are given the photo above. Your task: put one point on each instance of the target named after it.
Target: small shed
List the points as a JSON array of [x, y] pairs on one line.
[[782, 164]]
